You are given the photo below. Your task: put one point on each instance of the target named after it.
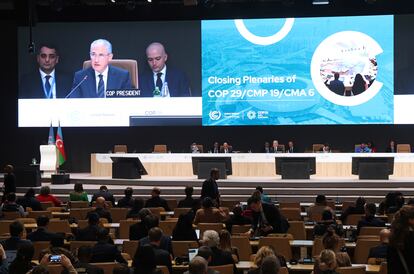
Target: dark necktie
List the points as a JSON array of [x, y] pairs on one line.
[[48, 87], [101, 88], [158, 83]]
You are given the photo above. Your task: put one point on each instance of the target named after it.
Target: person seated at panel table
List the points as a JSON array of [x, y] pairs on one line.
[[392, 147], [291, 148], [226, 148], [216, 148], [371, 146], [362, 148], [266, 148], [194, 148], [276, 147], [326, 148]]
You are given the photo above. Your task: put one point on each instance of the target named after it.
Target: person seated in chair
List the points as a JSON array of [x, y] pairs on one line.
[[104, 192], [208, 213], [41, 233], [29, 200], [328, 220], [89, 233], [105, 250], [380, 251], [156, 200], [100, 209], [370, 219], [127, 200], [152, 221], [188, 201], [16, 234], [10, 205]]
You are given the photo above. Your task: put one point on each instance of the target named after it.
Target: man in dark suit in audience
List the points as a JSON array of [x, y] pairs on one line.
[[189, 201], [47, 82], [90, 232], [100, 209], [210, 187], [29, 200], [266, 218], [370, 219], [160, 74], [41, 233], [16, 232], [380, 251], [152, 221], [162, 257], [156, 200], [139, 230], [127, 200], [104, 192], [105, 250]]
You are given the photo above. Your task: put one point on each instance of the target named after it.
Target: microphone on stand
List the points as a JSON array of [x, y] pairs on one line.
[[80, 83]]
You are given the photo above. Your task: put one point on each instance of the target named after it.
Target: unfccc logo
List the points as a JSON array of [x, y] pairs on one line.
[[264, 40], [215, 115]]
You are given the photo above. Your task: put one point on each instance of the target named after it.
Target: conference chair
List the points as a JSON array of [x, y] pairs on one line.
[[120, 149], [289, 205], [118, 214], [26, 220], [357, 269], [243, 245], [297, 229], [178, 211], [172, 203], [168, 226], [11, 215], [108, 267], [292, 214], [4, 227], [59, 226], [239, 229], [280, 245], [124, 228], [353, 219], [223, 269], [229, 203], [370, 231], [38, 247], [362, 249], [346, 204], [156, 211], [55, 268], [35, 214], [128, 64], [160, 149], [78, 204], [200, 148], [55, 209], [74, 245], [403, 148], [209, 226], [318, 246], [180, 248], [79, 213], [317, 147], [383, 268], [45, 205], [283, 270], [130, 247]]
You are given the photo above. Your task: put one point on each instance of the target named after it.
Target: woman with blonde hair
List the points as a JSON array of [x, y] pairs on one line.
[[327, 262], [262, 253], [225, 244]]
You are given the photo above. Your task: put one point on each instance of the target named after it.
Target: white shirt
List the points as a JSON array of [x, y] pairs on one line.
[[163, 71], [52, 82], [105, 79]]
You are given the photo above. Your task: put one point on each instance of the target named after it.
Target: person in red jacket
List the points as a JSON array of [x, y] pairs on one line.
[[45, 196]]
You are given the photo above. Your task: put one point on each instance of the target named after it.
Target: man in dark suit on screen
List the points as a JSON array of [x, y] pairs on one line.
[[160, 74], [94, 81], [47, 82]]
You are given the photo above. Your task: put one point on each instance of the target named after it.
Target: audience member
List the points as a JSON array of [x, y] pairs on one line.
[[237, 218], [89, 233], [401, 246], [266, 218], [10, 205], [152, 221], [184, 230], [104, 192], [208, 213], [41, 233], [198, 265], [270, 265], [392, 203], [206, 253], [57, 247], [188, 201], [127, 200], [262, 253], [139, 230], [78, 194], [104, 250], [136, 207], [358, 208], [210, 187], [162, 257], [100, 209], [380, 251], [326, 262], [83, 265], [29, 200], [331, 241], [265, 198], [328, 220], [359, 85], [225, 244], [211, 239], [64, 261], [16, 230], [392, 147], [144, 261], [321, 204], [23, 261], [156, 200], [370, 219], [9, 181], [45, 196]]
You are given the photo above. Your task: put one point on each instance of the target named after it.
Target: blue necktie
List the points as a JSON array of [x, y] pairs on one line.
[[101, 88], [48, 87]]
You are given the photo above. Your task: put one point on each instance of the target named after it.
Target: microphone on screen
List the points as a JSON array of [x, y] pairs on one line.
[[80, 83]]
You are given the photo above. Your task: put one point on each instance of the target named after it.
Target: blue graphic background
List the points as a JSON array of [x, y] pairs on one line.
[[226, 53]]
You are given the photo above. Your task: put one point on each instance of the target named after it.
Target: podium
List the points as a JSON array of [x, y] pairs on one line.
[[27, 176], [202, 166], [373, 168], [295, 167], [127, 168], [48, 160]]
